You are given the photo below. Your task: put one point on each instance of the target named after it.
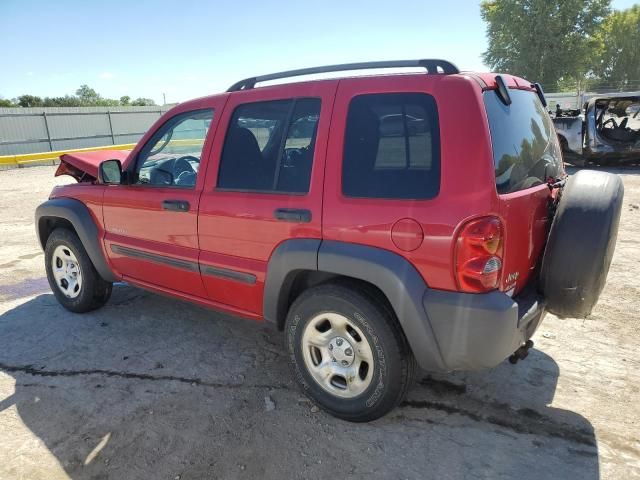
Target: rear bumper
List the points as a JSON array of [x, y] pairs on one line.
[[475, 331]]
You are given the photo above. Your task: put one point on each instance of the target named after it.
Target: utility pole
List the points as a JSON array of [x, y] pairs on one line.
[[164, 99]]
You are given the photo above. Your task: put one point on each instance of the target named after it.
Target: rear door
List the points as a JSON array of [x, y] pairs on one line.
[[264, 186], [383, 169], [526, 155]]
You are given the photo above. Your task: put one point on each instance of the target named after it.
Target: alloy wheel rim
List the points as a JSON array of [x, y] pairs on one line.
[[337, 355], [66, 271]]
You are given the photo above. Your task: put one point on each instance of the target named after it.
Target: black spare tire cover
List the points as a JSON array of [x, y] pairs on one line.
[[581, 243]]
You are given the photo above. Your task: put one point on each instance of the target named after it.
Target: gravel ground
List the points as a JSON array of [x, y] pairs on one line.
[[151, 387]]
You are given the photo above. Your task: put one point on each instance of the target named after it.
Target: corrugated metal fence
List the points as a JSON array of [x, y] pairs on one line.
[[574, 101], [30, 130], [566, 100]]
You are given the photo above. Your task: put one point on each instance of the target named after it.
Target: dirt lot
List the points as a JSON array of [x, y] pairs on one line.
[[150, 387]]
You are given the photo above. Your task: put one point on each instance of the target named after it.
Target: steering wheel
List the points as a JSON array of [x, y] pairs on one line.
[[189, 158], [183, 172], [612, 121]]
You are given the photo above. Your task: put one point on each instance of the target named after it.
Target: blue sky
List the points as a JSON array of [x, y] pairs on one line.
[[187, 48]]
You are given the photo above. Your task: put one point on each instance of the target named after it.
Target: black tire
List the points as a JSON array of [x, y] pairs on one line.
[[581, 243], [94, 291], [393, 364]]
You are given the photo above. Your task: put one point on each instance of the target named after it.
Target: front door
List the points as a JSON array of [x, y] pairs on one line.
[[151, 224]]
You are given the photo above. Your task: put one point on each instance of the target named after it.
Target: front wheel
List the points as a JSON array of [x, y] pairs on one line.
[[348, 353], [72, 277]]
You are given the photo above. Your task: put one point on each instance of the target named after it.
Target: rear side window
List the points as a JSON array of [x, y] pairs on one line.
[[525, 146], [392, 147], [269, 146]]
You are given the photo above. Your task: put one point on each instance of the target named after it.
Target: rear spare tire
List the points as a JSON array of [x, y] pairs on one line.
[[581, 243]]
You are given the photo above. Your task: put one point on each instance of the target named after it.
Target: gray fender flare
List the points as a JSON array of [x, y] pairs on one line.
[[290, 257], [76, 213], [400, 282]]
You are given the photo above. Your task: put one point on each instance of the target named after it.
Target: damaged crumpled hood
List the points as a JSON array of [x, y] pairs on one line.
[[83, 166]]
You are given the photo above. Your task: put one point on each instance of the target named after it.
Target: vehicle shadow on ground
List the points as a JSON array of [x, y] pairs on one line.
[[150, 387]]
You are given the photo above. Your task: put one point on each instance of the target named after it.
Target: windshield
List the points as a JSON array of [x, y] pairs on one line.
[[526, 151]]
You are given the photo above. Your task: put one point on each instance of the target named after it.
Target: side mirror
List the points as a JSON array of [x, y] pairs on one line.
[[110, 172]]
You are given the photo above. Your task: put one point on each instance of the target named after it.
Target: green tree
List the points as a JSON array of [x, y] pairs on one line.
[[542, 40], [90, 98], [30, 101], [618, 63], [66, 101], [142, 102], [107, 102], [577, 83], [87, 95]]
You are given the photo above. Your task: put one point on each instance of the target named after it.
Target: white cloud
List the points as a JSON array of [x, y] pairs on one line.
[[106, 75]]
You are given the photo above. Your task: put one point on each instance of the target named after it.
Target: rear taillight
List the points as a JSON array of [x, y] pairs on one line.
[[478, 255]]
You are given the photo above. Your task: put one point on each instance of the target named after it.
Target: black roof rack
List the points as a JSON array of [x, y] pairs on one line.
[[430, 64]]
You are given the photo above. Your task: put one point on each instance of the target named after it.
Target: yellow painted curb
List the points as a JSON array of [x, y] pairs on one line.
[[41, 156], [38, 157]]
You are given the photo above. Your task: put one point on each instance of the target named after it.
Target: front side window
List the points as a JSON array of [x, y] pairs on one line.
[[269, 146], [392, 147], [526, 151], [172, 156]]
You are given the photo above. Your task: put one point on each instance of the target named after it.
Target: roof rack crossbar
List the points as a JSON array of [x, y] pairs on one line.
[[431, 65]]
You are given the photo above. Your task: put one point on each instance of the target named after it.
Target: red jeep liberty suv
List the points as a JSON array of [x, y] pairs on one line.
[[381, 222]]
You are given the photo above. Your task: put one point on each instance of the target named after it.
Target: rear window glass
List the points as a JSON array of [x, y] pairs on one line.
[[392, 147], [525, 146]]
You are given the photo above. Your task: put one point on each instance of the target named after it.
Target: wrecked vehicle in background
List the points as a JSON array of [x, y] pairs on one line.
[[607, 132]]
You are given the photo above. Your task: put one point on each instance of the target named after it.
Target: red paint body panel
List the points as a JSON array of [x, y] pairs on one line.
[[467, 180], [91, 195], [237, 231], [193, 299], [489, 79], [88, 162], [134, 218], [525, 216]]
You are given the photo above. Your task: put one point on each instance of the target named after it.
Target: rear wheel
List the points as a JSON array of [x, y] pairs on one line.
[[72, 277], [348, 353]]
